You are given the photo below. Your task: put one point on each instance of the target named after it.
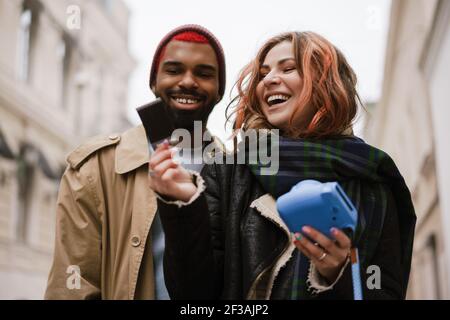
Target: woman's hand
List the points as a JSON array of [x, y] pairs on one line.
[[328, 256], [167, 177]]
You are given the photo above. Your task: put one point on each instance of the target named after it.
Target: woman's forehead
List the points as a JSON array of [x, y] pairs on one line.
[[280, 52]]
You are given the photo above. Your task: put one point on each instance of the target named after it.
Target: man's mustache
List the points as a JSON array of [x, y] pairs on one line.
[[193, 93]]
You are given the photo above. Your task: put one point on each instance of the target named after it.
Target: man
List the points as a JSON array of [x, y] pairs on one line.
[[108, 243]]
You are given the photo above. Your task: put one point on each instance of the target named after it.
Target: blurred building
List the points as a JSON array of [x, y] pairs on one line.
[[412, 123], [64, 69]]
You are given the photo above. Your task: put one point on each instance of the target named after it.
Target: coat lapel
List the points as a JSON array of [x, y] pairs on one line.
[[267, 207]]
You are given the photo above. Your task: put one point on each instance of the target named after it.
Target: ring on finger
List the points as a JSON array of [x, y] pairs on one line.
[[323, 256]]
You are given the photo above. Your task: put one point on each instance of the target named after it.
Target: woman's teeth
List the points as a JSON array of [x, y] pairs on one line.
[[277, 98]]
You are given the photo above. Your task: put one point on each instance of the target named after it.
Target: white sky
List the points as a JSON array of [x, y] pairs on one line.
[[357, 27]]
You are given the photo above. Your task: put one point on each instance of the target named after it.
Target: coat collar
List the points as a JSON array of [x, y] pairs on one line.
[[132, 152]]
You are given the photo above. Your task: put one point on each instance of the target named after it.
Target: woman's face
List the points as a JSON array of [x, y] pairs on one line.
[[279, 88]]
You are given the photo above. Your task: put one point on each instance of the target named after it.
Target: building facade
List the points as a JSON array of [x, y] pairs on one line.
[[411, 122], [64, 69]]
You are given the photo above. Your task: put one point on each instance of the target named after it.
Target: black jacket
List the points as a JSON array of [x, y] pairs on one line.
[[217, 246]]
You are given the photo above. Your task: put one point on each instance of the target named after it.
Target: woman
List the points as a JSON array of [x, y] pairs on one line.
[[226, 240]]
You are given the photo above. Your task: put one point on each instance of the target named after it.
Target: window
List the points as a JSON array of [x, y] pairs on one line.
[[6, 198], [434, 276], [24, 43], [100, 91], [25, 180], [28, 23], [63, 54]]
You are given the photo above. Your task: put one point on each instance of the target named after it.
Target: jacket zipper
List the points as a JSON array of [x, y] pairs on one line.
[[252, 288]]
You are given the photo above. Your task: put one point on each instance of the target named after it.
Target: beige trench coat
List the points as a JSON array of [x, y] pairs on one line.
[[104, 213]]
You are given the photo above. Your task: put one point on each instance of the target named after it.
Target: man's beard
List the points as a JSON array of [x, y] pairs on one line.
[[184, 119]]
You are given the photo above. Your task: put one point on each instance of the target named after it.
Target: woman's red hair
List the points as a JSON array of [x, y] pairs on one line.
[[328, 86]]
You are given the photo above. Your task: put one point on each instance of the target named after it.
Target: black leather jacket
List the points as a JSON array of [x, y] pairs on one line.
[[218, 246]]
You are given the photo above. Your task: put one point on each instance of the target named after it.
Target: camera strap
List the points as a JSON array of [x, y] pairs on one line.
[[356, 274]]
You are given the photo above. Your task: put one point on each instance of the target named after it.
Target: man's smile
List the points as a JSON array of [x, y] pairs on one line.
[[186, 101]]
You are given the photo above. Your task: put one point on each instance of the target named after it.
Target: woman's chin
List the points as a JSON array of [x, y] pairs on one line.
[[278, 123], [277, 119]]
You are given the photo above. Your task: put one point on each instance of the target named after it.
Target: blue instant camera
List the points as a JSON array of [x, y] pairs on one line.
[[319, 205]]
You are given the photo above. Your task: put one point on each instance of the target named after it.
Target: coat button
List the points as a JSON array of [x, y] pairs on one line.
[[135, 241], [113, 137]]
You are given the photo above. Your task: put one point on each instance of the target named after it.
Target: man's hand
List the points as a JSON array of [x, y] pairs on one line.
[[169, 178]]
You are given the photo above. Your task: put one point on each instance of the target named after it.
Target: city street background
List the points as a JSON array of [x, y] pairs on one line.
[[70, 70]]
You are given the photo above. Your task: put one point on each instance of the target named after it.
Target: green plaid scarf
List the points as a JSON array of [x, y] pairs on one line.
[[364, 172]]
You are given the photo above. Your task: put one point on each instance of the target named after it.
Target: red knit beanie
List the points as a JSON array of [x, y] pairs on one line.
[[191, 33]]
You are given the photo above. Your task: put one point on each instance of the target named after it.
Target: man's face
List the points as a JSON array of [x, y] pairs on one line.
[[188, 81]]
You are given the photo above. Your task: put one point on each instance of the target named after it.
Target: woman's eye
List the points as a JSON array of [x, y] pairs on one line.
[[289, 69]]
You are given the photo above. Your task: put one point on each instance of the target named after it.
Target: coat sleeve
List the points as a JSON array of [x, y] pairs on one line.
[[387, 260], [382, 277], [193, 258], [76, 269]]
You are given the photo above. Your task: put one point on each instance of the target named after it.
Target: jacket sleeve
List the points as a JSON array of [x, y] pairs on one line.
[[76, 269], [382, 277], [193, 257]]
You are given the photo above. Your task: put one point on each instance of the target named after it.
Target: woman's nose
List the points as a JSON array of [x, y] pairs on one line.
[[271, 79]]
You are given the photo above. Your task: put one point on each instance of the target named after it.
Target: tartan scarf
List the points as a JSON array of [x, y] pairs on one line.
[[365, 173]]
